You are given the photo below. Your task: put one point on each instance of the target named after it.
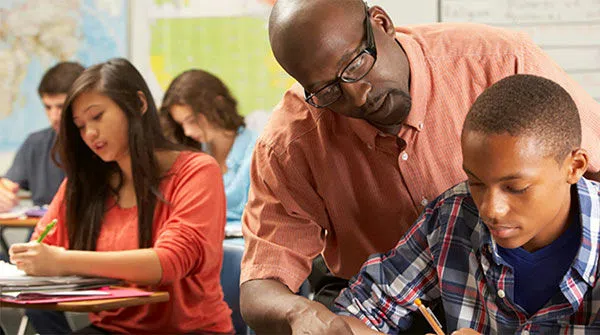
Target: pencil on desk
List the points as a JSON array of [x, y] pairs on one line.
[[433, 321], [46, 230]]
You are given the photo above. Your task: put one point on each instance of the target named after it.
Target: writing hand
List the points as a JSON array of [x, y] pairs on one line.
[[38, 259]]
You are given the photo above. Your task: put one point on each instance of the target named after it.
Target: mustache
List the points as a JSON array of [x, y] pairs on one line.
[[374, 103]]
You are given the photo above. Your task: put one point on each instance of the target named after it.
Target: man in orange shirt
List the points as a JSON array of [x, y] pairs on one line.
[[351, 157]]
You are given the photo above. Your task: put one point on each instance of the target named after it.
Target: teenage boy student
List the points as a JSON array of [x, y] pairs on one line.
[[350, 159], [33, 168], [512, 250]]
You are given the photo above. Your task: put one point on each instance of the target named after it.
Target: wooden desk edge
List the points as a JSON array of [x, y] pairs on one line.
[[27, 222], [97, 305]]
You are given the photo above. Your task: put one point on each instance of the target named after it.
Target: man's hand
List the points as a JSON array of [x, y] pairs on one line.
[[315, 318], [463, 331], [8, 195]]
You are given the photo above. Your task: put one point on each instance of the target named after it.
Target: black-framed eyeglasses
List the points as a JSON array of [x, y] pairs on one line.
[[356, 70]]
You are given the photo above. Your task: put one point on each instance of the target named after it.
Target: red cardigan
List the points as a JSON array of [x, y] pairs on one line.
[[188, 239]]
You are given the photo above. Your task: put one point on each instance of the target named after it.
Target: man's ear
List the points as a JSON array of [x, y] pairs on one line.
[[381, 19], [577, 164], [144, 101]]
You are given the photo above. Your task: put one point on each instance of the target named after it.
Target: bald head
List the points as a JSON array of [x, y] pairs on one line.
[[299, 26]]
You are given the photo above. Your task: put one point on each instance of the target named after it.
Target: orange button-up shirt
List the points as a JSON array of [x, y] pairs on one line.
[[325, 183]]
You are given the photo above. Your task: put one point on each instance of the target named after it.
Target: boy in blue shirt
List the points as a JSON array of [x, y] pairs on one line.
[[512, 250], [33, 168]]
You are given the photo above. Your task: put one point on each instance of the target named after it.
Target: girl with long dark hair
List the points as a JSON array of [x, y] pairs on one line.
[[133, 207]]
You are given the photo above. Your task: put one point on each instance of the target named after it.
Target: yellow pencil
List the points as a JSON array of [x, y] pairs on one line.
[[433, 321]]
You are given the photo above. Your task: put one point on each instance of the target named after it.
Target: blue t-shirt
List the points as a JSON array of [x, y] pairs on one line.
[[33, 168], [237, 177], [538, 274]]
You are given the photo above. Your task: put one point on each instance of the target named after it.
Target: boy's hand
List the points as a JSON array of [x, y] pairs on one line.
[[37, 259], [8, 195]]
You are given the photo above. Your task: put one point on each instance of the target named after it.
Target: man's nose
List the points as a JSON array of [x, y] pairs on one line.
[[357, 93]]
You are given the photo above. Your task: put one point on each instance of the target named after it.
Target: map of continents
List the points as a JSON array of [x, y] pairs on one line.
[[228, 38], [34, 35]]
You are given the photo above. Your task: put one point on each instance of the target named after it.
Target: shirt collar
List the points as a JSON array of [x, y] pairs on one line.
[[586, 261], [420, 86], [420, 78]]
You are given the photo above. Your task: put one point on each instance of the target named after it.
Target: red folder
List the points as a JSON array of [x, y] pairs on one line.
[[114, 293]]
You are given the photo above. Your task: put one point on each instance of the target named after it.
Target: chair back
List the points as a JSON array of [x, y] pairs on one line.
[[230, 281]]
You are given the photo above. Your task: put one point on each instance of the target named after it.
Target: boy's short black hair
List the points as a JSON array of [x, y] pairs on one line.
[[527, 105], [58, 79]]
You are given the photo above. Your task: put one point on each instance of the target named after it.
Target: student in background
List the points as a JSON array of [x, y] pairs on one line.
[[367, 138], [200, 112], [33, 168], [133, 207], [512, 250]]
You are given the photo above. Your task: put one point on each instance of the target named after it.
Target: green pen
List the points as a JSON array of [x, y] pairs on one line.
[[47, 230]]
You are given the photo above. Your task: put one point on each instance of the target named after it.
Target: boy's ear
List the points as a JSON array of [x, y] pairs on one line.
[[144, 102], [577, 161]]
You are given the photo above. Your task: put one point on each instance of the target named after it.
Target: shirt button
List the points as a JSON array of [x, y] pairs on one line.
[[501, 294], [421, 126], [370, 146], [404, 156], [424, 202]]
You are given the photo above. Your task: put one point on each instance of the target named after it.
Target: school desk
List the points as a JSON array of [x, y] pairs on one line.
[[28, 222], [97, 305], [87, 306]]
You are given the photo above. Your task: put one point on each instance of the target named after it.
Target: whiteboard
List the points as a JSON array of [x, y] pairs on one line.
[[568, 30], [404, 12]]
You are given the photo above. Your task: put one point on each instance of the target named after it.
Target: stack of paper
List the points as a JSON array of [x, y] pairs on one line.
[[32, 295], [13, 279], [50, 297], [233, 230]]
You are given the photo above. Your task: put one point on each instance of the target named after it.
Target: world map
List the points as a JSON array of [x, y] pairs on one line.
[[35, 35]]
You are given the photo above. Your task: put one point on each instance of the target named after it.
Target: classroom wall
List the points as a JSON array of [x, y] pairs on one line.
[[401, 12], [564, 28]]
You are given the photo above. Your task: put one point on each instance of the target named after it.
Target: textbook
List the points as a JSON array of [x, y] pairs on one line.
[[13, 279]]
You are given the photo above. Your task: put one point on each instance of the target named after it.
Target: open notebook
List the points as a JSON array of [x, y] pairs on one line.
[[13, 279]]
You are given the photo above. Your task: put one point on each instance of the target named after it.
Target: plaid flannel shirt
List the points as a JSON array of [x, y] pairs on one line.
[[449, 255]]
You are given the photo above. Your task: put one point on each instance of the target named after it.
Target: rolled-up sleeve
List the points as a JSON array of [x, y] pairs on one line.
[[280, 221]]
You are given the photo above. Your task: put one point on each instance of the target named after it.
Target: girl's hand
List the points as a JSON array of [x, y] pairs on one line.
[[38, 259]]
